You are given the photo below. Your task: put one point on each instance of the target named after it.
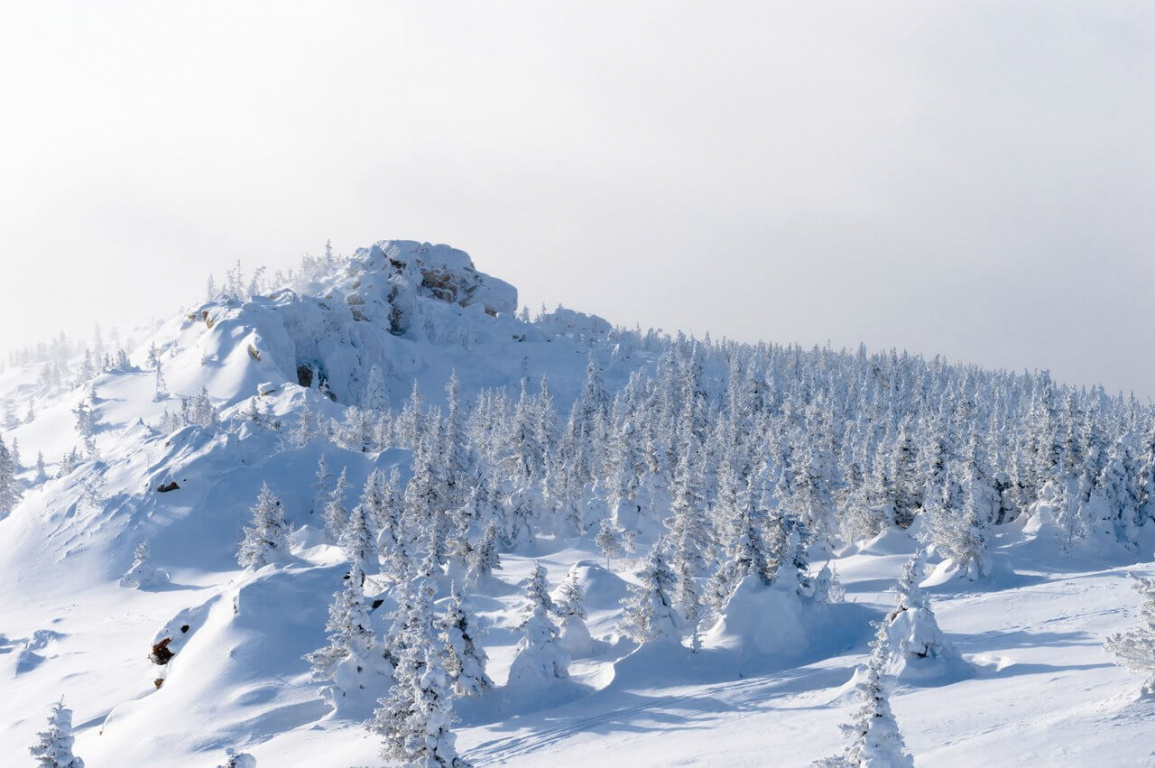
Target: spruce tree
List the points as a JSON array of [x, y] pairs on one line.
[[334, 513], [464, 660], [606, 540], [913, 631], [689, 537], [648, 614], [415, 719], [54, 747], [537, 592], [9, 489], [348, 659], [267, 540], [359, 539], [235, 759], [540, 658], [322, 485], [575, 635], [1136, 649], [142, 574], [873, 737], [484, 559], [391, 535]]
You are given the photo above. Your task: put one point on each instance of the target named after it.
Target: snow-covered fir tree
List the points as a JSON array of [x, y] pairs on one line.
[[648, 614], [484, 558], [235, 759], [1136, 649], [415, 719], [86, 424], [607, 540], [540, 657], [358, 539], [575, 635], [160, 385], [143, 574], [53, 748], [10, 492], [267, 539], [915, 640], [322, 485], [348, 661], [827, 586], [464, 660], [537, 592], [873, 737]]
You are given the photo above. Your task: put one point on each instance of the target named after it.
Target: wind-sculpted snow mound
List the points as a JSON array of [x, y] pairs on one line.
[[772, 627], [920, 653], [235, 676]]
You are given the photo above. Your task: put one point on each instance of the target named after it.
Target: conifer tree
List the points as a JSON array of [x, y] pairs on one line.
[[873, 737], [143, 574], [86, 425], [415, 719], [457, 462], [793, 556], [335, 515], [267, 540], [537, 592], [160, 386], [235, 759], [648, 614], [464, 660], [348, 659], [391, 535], [1136, 649], [913, 631], [54, 746], [359, 539], [484, 558], [688, 536], [575, 635], [306, 428], [376, 397], [322, 485], [9, 488], [607, 540], [540, 658], [827, 587]]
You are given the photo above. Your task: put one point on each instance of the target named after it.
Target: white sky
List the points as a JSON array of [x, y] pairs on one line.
[[975, 179]]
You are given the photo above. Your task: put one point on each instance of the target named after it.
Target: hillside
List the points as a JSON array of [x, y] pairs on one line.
[[719, 526]]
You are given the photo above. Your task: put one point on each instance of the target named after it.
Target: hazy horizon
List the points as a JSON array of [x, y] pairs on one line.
[[973, 180]]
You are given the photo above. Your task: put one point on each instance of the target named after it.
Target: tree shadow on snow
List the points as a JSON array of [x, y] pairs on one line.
[[634, 713], [1018, 670], [996, 640]]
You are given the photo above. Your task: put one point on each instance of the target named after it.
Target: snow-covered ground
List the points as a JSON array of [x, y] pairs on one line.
[[766, 689]]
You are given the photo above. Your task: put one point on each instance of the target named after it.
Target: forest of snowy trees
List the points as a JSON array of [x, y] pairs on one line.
[[713, 465], [727, 462]]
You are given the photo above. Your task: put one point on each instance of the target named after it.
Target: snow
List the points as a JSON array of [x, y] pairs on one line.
[[772, 678]]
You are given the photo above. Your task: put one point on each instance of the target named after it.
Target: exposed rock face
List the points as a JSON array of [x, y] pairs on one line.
[[399, 306], [383, 281]]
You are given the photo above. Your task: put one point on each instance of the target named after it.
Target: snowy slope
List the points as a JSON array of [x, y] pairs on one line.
[[770, 686]]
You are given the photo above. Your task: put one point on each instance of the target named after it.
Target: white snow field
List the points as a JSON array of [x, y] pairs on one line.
[[770, 685]]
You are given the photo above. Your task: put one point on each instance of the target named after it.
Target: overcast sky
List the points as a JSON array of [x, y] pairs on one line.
[[964, 178]]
